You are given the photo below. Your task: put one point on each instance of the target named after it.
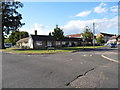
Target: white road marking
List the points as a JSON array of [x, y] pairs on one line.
[[84, 55], [90, 55], [110, 59]]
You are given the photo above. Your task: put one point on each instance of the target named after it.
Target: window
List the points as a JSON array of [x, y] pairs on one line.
[[63, 43], [75, 43], [57, 43], [49, 43], [39, 43]]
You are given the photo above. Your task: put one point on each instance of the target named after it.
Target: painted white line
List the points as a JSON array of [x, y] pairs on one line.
[[110, 59], [84, 55]]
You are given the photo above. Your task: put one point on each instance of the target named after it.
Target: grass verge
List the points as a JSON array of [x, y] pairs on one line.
[[60, 50]]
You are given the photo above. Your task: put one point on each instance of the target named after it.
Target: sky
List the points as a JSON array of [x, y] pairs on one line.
[[71, 17]]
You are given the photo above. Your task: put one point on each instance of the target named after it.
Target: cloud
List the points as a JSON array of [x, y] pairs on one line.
[[78, 26], [114, 8], [101, 25], [83, 14], [41, 29], [101, 8]]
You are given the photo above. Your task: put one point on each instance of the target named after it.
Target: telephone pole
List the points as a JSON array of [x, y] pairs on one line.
[[93, 34]]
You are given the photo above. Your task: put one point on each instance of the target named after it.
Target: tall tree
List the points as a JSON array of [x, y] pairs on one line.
[[58, 33], [50, 34], [11, 18], [87, 35], [17, 35], [100, 40]]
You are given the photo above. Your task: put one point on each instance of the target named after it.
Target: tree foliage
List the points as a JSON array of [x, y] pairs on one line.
[[7, 40], [87, 36], [17, 35], [58, 33], [100, 40], [11, 18], [50, 34]]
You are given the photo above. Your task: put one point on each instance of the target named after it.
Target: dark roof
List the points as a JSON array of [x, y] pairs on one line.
[[107, 34], [51, 38], [42, 37]]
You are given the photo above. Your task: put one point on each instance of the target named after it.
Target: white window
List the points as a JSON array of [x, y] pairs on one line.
[[49, 43], [63, 43], [39, 43], [70, 43], [75, 43], [57, 42]]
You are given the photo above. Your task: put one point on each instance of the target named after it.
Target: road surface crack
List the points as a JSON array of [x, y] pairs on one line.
[[80, 76]]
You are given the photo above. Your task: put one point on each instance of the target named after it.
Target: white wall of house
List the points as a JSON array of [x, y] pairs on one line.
[[30, 43]]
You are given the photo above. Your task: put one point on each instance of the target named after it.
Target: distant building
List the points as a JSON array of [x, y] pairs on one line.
[[105, 36], [75, 35], [114, 39], [42, 41], [80, 36]]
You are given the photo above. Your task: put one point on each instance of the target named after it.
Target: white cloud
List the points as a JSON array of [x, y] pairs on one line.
[[101, 25], [77, 26], [114, 8], [101, 8], [41, 29], [102, 4], [83, 14]]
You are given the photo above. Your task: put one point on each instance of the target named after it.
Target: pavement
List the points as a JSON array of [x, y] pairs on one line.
[[84, 69]]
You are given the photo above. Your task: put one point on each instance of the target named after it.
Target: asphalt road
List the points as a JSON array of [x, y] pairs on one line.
[[85, 69]]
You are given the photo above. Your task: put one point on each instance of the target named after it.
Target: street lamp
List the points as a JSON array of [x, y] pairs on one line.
[[93, 34]]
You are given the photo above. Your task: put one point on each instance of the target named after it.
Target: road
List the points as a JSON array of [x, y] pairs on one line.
[[84, 69]]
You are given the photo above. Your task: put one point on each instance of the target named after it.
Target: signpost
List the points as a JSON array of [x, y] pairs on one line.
[[83, 43]]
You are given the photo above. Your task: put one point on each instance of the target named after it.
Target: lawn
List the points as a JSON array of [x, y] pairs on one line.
[[60, 50]]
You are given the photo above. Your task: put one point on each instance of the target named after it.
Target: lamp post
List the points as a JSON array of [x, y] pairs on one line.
[[93, 34]]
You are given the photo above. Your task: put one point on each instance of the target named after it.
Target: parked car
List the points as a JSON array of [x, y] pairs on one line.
[[8, 45], [113, 45]]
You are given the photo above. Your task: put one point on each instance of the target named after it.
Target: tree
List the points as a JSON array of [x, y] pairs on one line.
[[87, 35], [7, 40], [11, 19], [50, 34], [23, 34], [100, 40], [17, 35], [58, 33]]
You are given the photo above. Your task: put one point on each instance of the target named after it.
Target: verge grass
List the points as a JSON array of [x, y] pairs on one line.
[[58, 50]]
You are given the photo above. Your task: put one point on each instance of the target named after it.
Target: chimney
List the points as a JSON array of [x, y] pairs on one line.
[[35, 32]]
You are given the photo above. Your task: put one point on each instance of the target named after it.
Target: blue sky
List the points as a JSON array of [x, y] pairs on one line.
[[72, 17]]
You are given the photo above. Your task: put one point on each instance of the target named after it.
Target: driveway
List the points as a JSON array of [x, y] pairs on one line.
[[58, 70]]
